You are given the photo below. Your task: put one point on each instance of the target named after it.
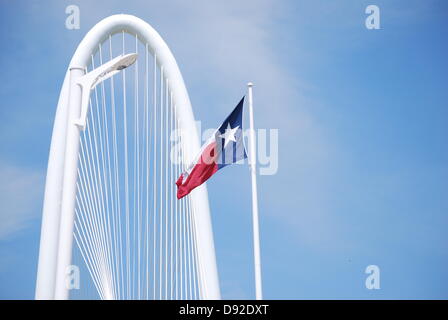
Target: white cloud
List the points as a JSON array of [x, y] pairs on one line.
[[219, 47], [20, 198]]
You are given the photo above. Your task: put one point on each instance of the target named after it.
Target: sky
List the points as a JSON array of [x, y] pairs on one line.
[[361, 117]]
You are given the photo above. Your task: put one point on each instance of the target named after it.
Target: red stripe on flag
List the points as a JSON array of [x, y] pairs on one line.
[[200, 173]]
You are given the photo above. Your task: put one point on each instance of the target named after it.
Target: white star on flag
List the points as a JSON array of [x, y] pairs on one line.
[[229, 135]]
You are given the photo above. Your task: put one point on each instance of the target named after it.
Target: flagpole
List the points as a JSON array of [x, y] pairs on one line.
[[256, 232]]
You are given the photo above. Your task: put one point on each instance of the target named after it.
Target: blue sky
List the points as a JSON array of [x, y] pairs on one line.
[[362, 120]]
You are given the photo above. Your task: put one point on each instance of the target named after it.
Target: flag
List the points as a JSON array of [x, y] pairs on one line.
[[225, 146]]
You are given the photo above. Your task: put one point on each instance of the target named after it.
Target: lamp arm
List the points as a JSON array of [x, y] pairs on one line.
[[90, 80]]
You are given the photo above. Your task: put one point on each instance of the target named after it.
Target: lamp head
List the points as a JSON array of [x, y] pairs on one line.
[[117, 64], [125, 61]]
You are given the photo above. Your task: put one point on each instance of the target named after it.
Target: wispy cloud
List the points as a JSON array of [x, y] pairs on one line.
[[20, 198], [220, 46]]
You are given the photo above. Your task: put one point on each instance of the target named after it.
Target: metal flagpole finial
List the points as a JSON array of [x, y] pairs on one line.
[[250, 84]]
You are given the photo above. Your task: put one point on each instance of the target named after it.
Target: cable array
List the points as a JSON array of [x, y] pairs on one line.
[[134, 239]]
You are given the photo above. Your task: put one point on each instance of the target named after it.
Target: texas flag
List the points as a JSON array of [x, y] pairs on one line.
[[225, 146]]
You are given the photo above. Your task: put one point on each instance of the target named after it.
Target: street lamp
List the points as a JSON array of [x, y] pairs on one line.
[[80, 87], [90, 80]]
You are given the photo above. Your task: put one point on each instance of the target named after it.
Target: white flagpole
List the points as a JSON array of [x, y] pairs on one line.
[[253, 169]]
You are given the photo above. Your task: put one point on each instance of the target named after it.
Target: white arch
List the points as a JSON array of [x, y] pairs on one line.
[[58, 210]]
